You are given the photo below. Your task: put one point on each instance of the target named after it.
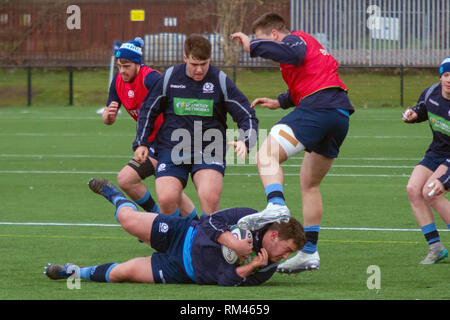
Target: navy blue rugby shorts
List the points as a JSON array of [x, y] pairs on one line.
[[320, 130], [166, 167], [432, 163], [167, 239]]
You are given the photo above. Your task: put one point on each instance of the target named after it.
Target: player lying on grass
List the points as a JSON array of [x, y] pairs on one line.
[[189, 249], [129, 88], [433, 106]]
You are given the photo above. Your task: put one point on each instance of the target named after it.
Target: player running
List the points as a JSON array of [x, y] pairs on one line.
[[189, 249], [195, 98], [433, 106], [129, 88], [318, 124]]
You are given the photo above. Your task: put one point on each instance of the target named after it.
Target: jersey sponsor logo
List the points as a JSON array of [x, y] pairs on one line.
[[208, 87], [439, 124], [130, 94], [193, 107]]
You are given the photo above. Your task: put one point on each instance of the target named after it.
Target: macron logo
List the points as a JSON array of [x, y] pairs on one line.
[[178, 86]]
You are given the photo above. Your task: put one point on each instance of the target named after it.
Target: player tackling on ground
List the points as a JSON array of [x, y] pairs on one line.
[[189, 249]]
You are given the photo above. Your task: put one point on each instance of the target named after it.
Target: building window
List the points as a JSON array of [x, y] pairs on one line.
[[170, 21], [25, 20], [3, 18]]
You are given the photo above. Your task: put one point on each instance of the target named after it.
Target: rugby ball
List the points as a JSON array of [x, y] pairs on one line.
[[229, 255]]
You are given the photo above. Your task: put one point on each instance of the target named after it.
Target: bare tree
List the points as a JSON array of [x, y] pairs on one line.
[[231, 15]]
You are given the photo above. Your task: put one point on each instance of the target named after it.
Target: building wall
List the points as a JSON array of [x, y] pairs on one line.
[[34, 32]]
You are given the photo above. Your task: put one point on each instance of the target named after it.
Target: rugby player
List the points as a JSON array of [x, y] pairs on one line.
[[129, 88], [188, 248], [318, 124], [433, 106], [195, 98]]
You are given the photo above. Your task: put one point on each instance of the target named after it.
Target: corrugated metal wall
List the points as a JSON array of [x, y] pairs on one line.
[[378, 32]]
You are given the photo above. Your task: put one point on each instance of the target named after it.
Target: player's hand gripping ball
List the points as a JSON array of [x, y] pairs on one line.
[[230, 256]]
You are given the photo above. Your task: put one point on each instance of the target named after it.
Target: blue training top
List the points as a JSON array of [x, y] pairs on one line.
[[186, 103], [432, 106]]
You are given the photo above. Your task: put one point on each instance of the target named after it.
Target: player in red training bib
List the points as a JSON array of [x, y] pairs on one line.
[[129, 88], [317, 124]]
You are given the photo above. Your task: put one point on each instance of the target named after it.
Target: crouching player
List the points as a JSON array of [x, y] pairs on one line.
[[189, 249], [433, 106], [129, 88]]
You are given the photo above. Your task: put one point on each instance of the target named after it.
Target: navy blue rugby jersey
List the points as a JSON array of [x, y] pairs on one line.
[[432, 106], [210, 267], [195, 106]]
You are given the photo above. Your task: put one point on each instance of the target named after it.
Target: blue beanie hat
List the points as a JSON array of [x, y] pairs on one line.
[[445, 66], [131, 50]]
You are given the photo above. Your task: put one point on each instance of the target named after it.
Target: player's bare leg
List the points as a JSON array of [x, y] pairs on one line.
[[269, 157], [169, 191], [424, 214], [135, 270], [208, 183], [313, 170]]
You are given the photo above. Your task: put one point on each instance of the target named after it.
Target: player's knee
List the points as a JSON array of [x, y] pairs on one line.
[[127, 218], [414, 192], [119, 273], [210, 196], [168, 201], [127, 178]]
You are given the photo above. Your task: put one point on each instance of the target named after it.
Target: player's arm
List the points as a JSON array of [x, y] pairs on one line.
[[242, 247], [418, 113], [445, 178], [111, 110], [244, 116], [151, 108], [292, 50], [261, 259], [439, 185], [218, 225]]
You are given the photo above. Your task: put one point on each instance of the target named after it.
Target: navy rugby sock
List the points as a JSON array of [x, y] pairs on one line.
[[274, 193], [312, 236], [148, 203], [430, 232], [98, 273]]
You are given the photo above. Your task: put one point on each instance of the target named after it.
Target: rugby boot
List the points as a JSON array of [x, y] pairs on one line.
[[300, 262], [272, 213], [105, 188], [435, 254], [57, 271]]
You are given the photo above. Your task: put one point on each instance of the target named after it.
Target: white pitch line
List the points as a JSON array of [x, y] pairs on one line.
[[227, 174], [41, 156], [76, 134], [53, 224], [16, 155], [108, 225]]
